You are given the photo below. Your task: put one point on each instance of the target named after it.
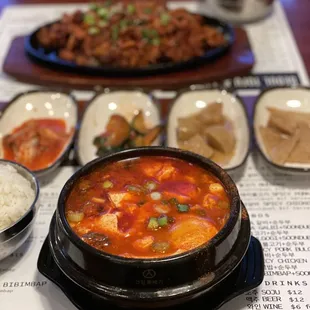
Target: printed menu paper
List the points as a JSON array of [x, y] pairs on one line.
[[278, 204]]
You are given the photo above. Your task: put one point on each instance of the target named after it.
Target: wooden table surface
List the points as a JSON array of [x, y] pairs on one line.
[[297, 12]]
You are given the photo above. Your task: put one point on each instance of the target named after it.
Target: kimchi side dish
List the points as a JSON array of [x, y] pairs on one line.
[[37, 143], [148, 207]]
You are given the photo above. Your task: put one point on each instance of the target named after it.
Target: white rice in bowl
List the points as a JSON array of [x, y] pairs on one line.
[[16, 196]]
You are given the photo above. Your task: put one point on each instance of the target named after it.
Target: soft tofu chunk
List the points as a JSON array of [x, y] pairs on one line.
[[210, 201], [152, 169], [166, 172], [116, 198], [220, 138], [216, 188], [160, 171], [108, 223], [191, 233], [143, 244]]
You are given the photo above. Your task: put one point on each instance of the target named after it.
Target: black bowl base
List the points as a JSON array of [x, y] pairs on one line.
[[248, 275]]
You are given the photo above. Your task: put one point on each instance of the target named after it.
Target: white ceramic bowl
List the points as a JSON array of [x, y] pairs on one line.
[[287, 99], [96, 115], [192, 101], [35, 105]]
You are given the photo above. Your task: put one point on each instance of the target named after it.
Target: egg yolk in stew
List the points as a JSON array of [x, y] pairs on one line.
[[147, 207]]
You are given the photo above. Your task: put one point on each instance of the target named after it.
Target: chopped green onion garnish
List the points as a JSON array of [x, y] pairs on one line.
[[103, 12], [164, 19], [123, 24], [133, 188], [165, 202], [107, 184], [89, 19], [102, 23], [150, 185], [149, 33], [93, 6], [156, 41], [115, 31], [93, 30], [173, 201], [153, 33], [131, 9], [153, 223], [147, 10], [156, 196], [163, 220], [183, 208]]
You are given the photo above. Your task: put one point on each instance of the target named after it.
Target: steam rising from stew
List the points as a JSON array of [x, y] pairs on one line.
[[147, 207]]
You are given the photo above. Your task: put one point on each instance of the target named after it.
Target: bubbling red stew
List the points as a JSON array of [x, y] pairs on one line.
[[148, 207]]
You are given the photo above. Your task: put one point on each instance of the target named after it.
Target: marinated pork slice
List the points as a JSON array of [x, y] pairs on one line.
[[220, 138], [197, 144]]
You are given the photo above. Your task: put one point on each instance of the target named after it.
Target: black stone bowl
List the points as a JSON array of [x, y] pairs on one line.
[[151, 283]]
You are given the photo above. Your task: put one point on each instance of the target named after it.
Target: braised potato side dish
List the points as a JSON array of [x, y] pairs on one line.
[[147, 207], [134, 34]]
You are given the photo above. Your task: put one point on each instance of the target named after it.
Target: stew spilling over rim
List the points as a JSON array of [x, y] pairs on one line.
[[148, 207]]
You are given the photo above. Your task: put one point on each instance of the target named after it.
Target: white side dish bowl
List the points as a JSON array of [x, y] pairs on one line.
[[286, 99], [36, 105], [192, 101], [96, 116]]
